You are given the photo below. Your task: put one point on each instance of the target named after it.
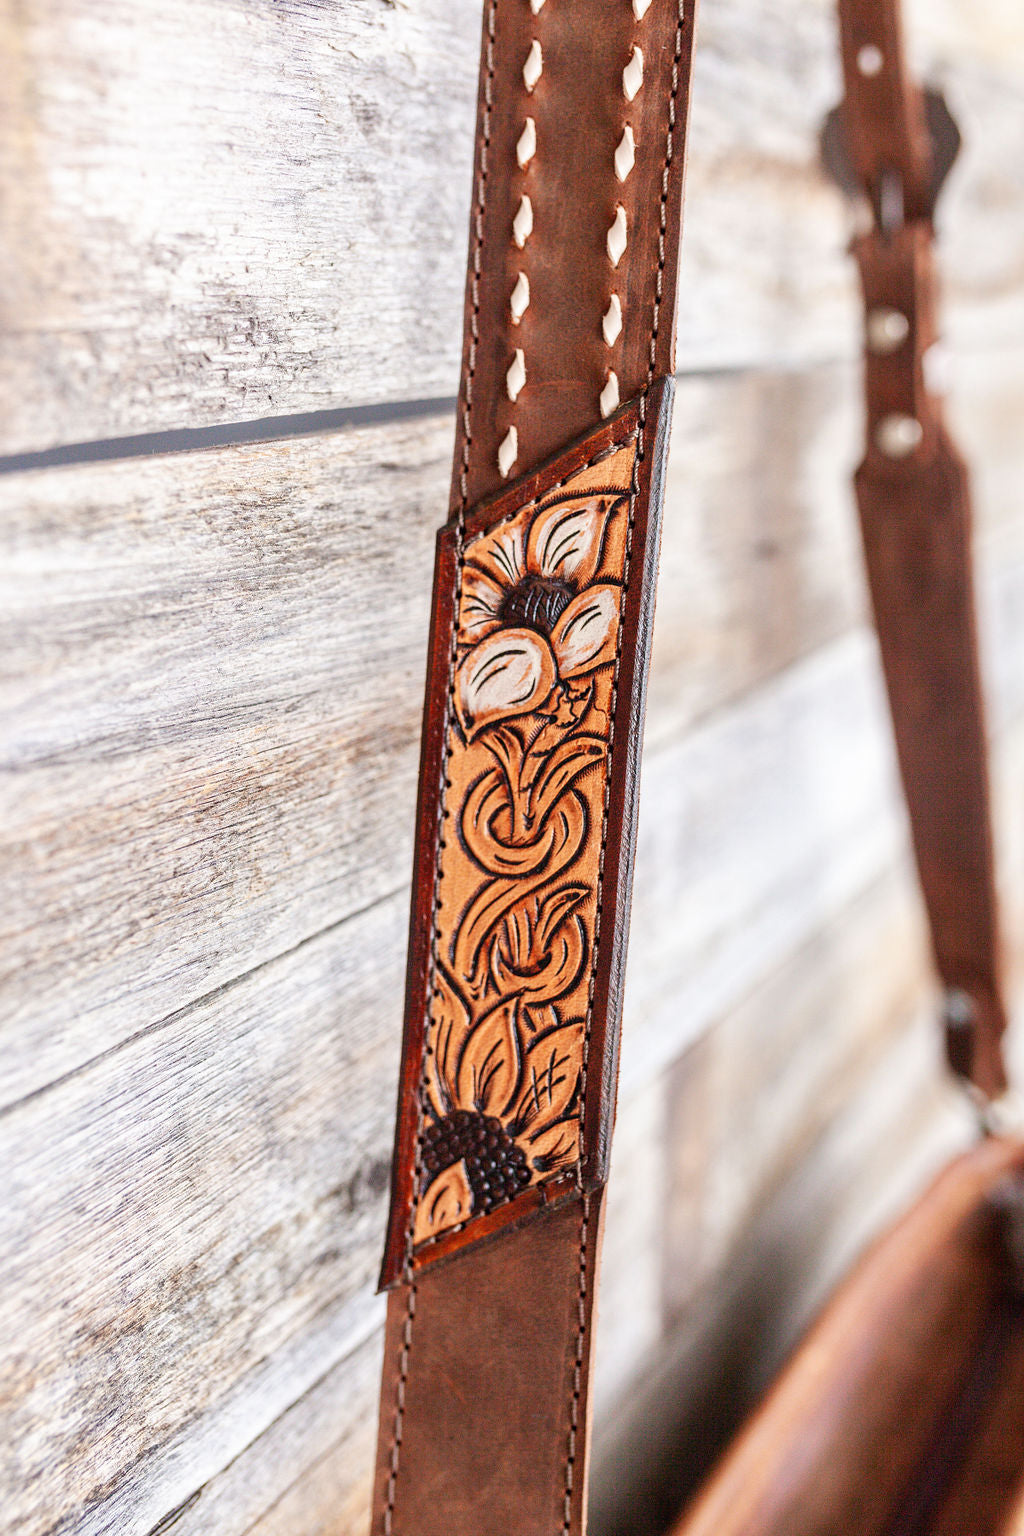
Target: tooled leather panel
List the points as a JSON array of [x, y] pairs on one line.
[[556, 139], [538, 670]]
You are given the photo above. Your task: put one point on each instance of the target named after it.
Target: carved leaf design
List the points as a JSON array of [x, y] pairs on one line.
[[446, 1201], [538, 625], [491, 1060], [566, 537], [510, 672], [450, 1022], [585, 636]]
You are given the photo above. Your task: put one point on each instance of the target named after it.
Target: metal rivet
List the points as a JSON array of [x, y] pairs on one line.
[[958, 1006], [898, 435], [887, 329], [870, 59]]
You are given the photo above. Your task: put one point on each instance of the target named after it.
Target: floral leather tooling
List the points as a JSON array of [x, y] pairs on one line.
[[538, 617]]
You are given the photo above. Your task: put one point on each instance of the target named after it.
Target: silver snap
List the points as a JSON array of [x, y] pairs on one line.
[[958, 1008], [870, 59], [898, 435], [887, 329]]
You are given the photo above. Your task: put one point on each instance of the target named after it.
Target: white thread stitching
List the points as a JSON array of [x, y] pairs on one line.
[[526, 144], [635, 491], [522, 224], [519, 300], [534, 66], [625, 153], [633, 74], [508, 452], [609, 398], [611, 321], [617, 238], [515, 378]]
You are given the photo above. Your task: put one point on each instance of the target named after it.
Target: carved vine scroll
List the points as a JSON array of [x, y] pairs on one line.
[[513, 976], [538, 626]]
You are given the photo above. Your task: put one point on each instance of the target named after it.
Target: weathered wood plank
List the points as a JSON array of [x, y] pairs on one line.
[[191, 1231], [666, 1246], [214, 212], [200, 1211], [213, 670], [213, 665]]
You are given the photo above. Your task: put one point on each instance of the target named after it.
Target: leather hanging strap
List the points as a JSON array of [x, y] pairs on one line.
[[543, 598], [913, 498]]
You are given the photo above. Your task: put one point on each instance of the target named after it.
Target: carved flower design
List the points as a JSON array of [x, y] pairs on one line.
[[502, 1104], [537, 608]]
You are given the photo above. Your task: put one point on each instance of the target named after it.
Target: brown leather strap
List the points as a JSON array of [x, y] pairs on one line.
[[913, 497], [543, 598]]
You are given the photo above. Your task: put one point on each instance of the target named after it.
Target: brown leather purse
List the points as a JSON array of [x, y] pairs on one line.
[[901, 1411]]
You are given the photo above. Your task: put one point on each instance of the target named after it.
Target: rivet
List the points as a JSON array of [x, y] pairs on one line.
[[887, 329], [870, 59], [898, 435], [958, 1006]]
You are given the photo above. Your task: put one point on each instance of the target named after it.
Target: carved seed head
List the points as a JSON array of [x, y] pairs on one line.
[[536, 602]]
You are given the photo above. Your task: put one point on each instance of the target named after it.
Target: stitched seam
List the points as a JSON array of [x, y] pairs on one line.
[[634, 493], [577, 1373], [405, 1349]]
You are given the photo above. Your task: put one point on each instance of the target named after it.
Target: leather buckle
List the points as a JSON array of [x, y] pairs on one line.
[[886, 197]]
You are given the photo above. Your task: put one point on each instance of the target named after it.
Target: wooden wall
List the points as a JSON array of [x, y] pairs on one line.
[[217, 217]]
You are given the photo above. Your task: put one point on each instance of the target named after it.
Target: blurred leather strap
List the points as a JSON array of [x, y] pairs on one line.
[[914, 503], [543, 599]]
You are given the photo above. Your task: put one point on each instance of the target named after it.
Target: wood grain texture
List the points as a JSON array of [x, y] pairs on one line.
[[213, 673], [210, 701], [222, 211]]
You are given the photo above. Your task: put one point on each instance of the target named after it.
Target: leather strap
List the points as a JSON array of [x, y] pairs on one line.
[[543, 599], [914, 504], [544, 587]]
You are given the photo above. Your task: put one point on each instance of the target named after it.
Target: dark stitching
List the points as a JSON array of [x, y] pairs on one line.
[[634, 493], [406, 1347]]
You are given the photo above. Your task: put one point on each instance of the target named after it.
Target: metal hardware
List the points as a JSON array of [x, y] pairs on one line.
[[870, 60], [886, 330], [888, 202], [942, 130], [897, 435]]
